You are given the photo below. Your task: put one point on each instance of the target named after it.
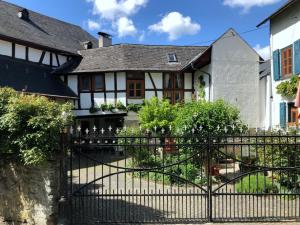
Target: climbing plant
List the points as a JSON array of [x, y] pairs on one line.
[[288, 88]]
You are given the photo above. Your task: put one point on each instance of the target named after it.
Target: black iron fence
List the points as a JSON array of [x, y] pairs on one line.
[[136, 177]]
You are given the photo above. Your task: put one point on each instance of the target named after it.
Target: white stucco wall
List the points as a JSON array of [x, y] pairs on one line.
[[5, 48], [235, 76], [85, 100], [62, 59], [46, 59], [121, 80], [284, 31], [73, 83], [34, 55], [109, 81], [20, 51]]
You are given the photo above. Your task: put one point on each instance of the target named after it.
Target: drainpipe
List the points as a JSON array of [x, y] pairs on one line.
[[209, 80]]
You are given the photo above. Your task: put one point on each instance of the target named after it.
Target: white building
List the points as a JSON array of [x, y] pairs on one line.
[[285, 62], [46, 56]]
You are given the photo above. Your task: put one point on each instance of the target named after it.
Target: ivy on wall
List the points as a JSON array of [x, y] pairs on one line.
[[288, 89]]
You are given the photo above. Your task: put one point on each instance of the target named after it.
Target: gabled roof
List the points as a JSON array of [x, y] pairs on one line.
[[42, 30], [288, 4], [128, 57], [265, 69], [31, 77], [204, 58]]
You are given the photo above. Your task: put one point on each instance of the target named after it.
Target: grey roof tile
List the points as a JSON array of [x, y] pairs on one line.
[[42, 30], [124, 57]]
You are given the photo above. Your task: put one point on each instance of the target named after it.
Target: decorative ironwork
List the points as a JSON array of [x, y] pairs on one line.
[[136, 176]]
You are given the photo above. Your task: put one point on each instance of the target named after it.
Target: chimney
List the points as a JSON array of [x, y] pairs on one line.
[[87, 45], [23, 14], [105, 40]]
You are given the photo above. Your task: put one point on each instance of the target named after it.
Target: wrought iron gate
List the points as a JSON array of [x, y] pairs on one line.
[[143, 178]]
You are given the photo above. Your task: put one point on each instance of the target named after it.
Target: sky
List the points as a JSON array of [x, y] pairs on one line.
[[164, 22]]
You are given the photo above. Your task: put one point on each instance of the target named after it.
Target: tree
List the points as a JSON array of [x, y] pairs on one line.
[[209, 118], [157, 113], [30, 126]]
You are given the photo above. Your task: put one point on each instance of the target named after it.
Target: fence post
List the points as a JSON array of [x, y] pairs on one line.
[[63, 201], [209, 179]]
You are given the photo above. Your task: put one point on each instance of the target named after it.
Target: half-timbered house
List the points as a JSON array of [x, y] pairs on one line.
[[46, 56]]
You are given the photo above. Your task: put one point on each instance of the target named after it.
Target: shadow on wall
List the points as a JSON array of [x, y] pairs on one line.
[[28, 194]]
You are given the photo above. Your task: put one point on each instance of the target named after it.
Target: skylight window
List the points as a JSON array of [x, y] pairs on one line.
[[172, 57]]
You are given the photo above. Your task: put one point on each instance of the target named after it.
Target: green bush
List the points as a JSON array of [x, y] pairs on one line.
[[209, 115], [134, 107], [157, 113], [288, 88], [30, 126], [120, 106], [258, 183]]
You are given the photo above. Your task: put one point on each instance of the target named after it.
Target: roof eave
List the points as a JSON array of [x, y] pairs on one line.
[[280, 10]]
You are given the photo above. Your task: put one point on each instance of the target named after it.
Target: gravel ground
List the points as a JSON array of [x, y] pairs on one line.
[[123, 198]]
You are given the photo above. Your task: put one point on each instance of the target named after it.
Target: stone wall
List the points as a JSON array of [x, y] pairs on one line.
[[29, 194]]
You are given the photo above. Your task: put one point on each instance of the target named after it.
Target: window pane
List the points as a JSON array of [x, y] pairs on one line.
[[178, 81], [138, 93], [85, 83], [178, 97], [131, 93], [99, 82], [168, 81], [139, 85], [131, 86]]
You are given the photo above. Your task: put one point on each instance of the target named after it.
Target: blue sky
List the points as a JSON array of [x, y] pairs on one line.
[[175, 22]]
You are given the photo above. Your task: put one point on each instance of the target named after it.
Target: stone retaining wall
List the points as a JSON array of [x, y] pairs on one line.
[[29, 194]]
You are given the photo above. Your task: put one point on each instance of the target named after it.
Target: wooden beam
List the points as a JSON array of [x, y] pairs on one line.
[[13, 50], [153, 83], [116, 87], [26, 53], [57, 59], [42, 57]]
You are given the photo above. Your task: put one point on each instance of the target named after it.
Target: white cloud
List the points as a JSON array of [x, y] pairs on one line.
[[248, 4], [125, 27], [114, 9], [93, 25], [142, 36], [176, 25], [264, 52]]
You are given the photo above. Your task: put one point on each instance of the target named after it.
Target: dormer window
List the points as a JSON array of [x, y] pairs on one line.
[[23, 14], [87, 45], [172, 57]]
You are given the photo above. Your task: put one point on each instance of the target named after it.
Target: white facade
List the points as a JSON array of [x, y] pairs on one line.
[[284, 32], [8, 48]]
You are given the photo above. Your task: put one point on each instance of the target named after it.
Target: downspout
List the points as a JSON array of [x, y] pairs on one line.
[[209, 80]]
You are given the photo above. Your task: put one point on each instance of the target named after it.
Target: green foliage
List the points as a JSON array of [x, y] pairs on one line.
[[288, 88], [134, 107], [285, 155], [110, 107], [93, 110], [201, 90], [157, 113], [30, 126], [258, 183], [121, 106], [104, 107], [209, 115]]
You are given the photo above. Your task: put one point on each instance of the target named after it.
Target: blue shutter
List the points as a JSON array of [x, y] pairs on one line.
[[297, 57], [283, 115], [276, 65]]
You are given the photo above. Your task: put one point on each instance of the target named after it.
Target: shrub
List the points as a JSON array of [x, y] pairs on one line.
[[120, 106], [157, 113], [258, 183], [209, 115], [288, 88], [134, 107], [30, 126]]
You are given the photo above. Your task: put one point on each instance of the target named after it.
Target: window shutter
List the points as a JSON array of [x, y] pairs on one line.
[[283, 115], [297, 57], [276, 65]]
